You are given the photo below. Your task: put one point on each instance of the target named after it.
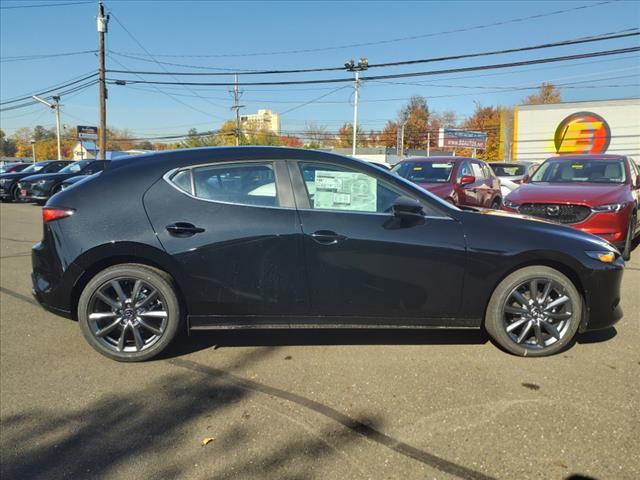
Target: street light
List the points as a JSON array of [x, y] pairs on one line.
[[363, 64], [55, 106], [33, 149]]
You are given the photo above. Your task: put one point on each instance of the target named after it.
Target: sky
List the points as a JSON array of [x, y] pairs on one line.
[[229, 36]]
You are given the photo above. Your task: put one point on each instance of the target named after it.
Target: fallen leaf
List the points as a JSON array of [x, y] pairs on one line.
[[207, 441]]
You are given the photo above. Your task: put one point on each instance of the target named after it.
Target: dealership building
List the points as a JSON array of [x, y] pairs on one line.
[[602, 126]]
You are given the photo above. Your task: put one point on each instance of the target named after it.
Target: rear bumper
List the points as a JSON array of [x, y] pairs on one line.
[[51, 284]]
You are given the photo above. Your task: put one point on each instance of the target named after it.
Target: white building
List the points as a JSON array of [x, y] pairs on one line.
[[265, 119], [598, 126]]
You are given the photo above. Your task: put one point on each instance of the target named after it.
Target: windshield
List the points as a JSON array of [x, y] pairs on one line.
[[36, 167], [75, 167], [509, 170], [581, 171], [425, 172]]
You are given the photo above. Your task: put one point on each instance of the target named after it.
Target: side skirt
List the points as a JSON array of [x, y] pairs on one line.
[[233, 322]]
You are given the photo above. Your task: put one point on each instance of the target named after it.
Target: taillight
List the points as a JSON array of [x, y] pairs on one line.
[[55, 213]]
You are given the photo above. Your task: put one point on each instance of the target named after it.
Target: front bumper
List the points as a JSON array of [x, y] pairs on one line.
[[602, 295], [32, 191], [611, 227]]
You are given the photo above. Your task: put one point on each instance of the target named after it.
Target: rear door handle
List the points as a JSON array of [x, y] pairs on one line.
[[183, 229], [327, 237]]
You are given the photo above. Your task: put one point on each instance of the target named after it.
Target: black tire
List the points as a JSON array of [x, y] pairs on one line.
[[496, 204], [126, 274], [15, 194], [628, 244], [497, 320]]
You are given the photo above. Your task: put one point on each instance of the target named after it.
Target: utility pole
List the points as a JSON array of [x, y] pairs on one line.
[[428, 143], [102, 23], [401, 149], [33, 150], [237, 107], [55, 106], [351, 66]]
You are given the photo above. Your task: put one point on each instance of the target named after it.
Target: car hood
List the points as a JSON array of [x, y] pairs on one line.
[[586, 194], [538, 225], [442, 190], [13, 175], [48, 176]]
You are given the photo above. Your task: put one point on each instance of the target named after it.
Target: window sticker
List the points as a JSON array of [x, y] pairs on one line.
[[345, 191], [441, 165], [417, 169], [577, 166]]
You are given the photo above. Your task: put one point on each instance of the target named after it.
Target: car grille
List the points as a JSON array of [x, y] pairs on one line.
[[555, 212]]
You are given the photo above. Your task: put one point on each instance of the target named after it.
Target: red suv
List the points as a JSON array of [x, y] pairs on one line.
[[598, 194], [458, 180]]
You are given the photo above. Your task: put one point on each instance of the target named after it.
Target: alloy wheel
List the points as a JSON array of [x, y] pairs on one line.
[[537, 313], [127, 315]]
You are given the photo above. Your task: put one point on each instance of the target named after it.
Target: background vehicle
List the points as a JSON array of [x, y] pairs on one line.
[[40, 187], [511, 175], [458, 180], [13, 167], [9, 181], [237, 238], [598, 194]]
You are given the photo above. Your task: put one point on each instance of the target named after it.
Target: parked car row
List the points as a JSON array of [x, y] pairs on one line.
[[39, 181]]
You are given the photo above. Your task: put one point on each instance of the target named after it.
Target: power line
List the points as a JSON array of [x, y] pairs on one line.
[[76, 88], [403, 75], [631, 32], [21, 58], [64, 84], [39, 5], [143, 48], [393, 40]]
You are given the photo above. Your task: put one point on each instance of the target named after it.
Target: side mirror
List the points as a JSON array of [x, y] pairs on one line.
[[638, 181], [467, 180], [526, 178], [405, 207]]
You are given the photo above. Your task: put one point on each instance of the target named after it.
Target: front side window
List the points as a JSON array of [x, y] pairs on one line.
[[464, 170], [333, 187], [241, 183], [477, 171]]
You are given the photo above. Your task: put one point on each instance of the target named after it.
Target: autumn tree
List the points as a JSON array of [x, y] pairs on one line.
[[415, 118], [227, 134], [547, 93], [345, 136], [487, 120]]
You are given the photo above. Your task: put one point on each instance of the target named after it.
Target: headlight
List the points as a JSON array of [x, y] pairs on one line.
[[604, 257], [510, 204], [614, 207]]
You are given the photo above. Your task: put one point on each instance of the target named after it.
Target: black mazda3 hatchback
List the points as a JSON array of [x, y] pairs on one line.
[[260, 237]]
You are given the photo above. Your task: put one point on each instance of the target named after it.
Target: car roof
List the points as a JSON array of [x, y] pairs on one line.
[[602, 156], [438, 159]]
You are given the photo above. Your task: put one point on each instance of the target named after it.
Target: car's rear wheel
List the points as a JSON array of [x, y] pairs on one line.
[[628, 244], [535, 311], [129, 312]]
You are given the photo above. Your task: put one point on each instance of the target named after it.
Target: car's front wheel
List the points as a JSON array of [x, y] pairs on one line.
[[129, 312], [628, 244], [535, 311]]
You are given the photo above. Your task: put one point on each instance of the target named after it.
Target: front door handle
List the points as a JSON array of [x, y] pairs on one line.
[[183, 229], [327, 237]]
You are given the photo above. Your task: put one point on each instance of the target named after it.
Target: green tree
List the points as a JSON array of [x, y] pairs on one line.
[[7, 145], [195, 139], [345, 136]]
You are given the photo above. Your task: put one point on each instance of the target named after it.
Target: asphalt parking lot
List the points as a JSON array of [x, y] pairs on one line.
[[316, 405]]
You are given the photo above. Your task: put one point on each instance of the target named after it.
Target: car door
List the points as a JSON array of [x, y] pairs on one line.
[[362, 261], [468, 193], [234, 232], [481, 185]]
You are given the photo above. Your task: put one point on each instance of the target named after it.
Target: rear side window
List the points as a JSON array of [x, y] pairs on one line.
[[241, 183]]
